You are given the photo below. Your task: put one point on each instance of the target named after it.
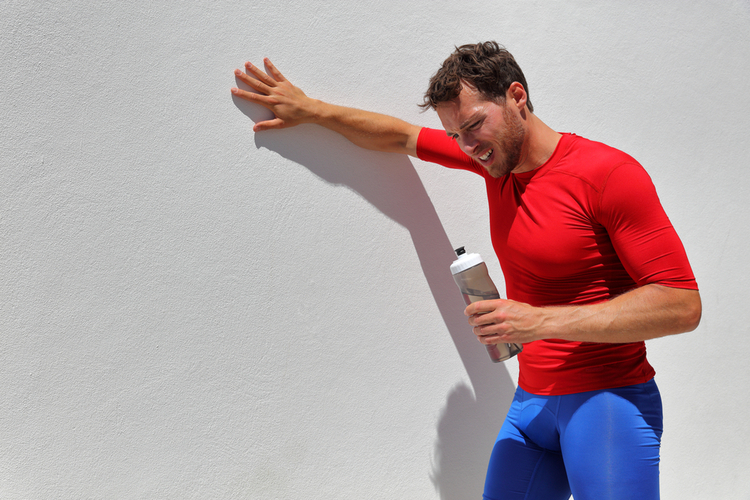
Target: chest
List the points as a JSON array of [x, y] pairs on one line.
[[547, 226]]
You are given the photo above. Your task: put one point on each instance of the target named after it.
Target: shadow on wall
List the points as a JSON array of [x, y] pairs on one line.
[[470, 419]]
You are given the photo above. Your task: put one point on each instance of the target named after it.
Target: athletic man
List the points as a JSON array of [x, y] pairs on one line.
[[592, 266]]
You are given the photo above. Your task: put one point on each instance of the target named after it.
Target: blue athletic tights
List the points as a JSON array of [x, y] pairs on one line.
[[598, 445]]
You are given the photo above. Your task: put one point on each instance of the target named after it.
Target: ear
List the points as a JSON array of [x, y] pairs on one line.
[[517, 94]]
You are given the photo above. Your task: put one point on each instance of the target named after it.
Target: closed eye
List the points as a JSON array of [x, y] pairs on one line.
[[475, 125]]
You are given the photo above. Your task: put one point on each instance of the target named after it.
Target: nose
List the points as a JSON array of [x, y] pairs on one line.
[[468, 143]]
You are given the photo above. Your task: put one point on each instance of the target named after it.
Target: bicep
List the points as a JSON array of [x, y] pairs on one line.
[[435, 146], [641, 233], [412, 137]]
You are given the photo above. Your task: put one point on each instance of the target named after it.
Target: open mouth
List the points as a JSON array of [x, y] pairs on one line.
[[486, 156]]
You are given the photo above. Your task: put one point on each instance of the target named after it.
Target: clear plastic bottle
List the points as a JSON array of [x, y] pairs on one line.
[[470, 274]]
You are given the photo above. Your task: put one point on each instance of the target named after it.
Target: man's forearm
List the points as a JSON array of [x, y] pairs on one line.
[[644, 313], [291, 107], [367, 129]]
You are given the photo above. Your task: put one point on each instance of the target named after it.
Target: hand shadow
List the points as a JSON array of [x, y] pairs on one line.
[[472, 415]]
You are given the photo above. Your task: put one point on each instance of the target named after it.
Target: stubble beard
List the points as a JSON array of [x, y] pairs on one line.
[[510, 143]]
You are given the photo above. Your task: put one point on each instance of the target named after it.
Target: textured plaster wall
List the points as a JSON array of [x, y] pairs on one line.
[[189, 310]]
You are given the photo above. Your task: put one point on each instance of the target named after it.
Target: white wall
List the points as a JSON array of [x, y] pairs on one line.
[[189, 310]]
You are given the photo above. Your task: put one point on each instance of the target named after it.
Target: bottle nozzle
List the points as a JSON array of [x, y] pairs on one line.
[[459, 251]]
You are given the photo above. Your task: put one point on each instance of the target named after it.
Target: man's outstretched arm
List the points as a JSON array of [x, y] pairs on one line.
[[291, 107]]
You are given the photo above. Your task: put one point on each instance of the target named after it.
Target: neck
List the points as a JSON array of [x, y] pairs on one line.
[[539, 144]]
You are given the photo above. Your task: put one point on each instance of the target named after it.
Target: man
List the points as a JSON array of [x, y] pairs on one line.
[[592, 265]]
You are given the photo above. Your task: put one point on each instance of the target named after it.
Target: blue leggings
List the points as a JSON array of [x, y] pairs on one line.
[[598, 445]]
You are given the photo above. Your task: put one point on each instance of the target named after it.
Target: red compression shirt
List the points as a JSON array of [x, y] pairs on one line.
[[582, 228]]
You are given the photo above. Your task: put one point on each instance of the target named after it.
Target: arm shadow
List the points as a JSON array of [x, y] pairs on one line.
[[472, 415]]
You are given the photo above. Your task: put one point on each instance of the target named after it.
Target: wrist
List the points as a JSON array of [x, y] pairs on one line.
[[557, 322], [319, 112]]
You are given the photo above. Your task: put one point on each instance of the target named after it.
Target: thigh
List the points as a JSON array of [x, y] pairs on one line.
[[519, 469], [610, 443]]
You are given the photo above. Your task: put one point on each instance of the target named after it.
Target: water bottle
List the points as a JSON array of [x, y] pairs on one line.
[[470, 274]]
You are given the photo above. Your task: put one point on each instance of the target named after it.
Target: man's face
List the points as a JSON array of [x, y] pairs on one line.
[[491, 133]]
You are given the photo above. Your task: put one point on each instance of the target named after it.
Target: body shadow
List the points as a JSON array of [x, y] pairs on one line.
[[472, 416]]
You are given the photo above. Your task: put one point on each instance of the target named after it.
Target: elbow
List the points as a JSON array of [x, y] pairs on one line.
[[692, 311]]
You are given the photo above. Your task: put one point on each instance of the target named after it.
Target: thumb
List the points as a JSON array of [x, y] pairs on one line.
[[276, 123]]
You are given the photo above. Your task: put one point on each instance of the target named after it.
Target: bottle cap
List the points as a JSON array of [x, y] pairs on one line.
[[465, 261]]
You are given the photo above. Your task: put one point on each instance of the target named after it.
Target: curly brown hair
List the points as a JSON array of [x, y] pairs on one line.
[[487, 67]]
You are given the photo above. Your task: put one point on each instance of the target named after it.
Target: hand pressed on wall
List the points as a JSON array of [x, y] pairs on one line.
[[288, 103]]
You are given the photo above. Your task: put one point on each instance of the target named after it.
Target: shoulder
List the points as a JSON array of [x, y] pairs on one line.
[[593, 162]]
